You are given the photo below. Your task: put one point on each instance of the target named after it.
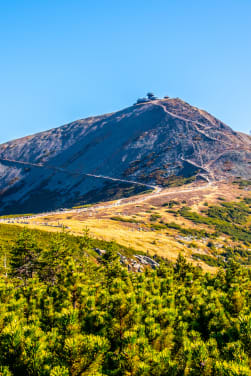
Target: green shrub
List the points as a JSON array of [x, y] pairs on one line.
[[71, 315]]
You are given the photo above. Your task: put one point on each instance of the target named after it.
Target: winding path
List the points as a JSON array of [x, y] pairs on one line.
[[60, 169], [125, 201], [157, 191]]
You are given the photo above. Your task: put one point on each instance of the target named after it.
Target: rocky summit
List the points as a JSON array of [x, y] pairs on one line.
[[156, 142]]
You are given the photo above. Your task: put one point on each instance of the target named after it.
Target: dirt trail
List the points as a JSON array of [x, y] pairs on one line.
[[190, 121], [60, 169], [158, 192]]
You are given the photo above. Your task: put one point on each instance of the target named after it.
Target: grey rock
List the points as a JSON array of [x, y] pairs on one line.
[[100, 252]]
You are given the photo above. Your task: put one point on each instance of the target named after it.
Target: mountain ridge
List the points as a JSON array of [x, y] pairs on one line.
[[149, 142]]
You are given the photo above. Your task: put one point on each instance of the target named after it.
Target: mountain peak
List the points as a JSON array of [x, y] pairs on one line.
[[153, 142]]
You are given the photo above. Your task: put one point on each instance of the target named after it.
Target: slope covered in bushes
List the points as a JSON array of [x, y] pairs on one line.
[[62, 313]]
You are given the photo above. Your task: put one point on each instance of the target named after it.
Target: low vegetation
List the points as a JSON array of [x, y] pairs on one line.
[[242, 183], [122, 219], [8, 234], [209, 260], [226, 218], [62, 313], [15, 216]]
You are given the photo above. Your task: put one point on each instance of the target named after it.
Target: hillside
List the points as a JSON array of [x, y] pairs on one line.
[[207, 223], [151, 284], [162, 142], [65, 314]]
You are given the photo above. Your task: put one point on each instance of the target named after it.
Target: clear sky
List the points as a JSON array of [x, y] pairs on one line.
[[61, 60]]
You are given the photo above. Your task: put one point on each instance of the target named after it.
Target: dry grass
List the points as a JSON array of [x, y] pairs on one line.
[[139, 235]]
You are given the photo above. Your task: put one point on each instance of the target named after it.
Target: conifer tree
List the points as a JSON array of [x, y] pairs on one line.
[[24, 255]]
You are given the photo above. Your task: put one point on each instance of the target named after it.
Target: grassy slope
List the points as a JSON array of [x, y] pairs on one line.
[[156, 227]]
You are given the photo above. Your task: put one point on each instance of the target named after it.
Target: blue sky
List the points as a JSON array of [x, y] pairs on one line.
[[63, 60]]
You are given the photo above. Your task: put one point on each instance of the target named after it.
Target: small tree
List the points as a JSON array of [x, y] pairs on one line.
[[53, 259], [24, 255], [86, 238]]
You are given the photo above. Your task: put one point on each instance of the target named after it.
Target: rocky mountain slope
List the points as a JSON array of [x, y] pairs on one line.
[[159, 142]]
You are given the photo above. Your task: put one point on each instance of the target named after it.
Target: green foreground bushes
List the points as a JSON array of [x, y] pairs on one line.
[[63, 314]]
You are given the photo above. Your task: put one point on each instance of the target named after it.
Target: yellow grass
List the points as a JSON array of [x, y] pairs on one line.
[[164, 243]]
